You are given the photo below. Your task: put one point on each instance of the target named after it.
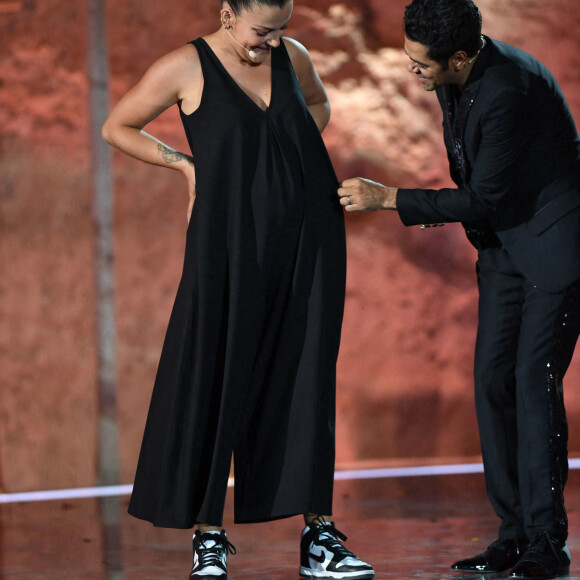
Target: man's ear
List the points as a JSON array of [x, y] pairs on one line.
[[459, 61]]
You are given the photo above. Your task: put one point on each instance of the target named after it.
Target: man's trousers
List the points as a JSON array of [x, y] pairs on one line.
[[525, 341]]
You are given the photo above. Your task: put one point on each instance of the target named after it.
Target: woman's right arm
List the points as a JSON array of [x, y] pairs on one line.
[[161, 87]]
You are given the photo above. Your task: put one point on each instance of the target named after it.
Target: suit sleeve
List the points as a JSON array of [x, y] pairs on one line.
[[502, 140]]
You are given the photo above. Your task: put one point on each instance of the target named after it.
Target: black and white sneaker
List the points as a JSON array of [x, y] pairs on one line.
[[210, 555], [322, 554]]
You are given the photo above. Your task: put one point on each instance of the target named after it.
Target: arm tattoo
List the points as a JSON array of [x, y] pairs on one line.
[[171, 155]]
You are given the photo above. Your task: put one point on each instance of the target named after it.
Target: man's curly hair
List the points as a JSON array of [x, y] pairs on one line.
[[444, 26]]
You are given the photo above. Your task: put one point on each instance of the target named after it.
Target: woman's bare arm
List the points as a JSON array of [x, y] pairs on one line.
[[310, 83], [162, 86]]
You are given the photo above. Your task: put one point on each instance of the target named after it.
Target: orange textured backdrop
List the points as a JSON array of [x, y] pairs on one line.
[[404, 388]]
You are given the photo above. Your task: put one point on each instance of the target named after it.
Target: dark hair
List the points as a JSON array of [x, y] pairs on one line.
[[444, 26], [238, 6]]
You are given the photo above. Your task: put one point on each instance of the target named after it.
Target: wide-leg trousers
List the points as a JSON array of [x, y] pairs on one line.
[[525, 341]]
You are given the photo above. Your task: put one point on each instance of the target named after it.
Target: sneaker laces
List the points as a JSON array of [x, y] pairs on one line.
[[329, 537], [213, 555]]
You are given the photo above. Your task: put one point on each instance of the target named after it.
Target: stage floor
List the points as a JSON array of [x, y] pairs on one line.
[[408, 527]]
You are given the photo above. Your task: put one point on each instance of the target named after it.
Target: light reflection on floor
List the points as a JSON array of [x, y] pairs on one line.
[[412, 527]]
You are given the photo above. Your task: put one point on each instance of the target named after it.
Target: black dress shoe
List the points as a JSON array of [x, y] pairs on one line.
[[499, 556], [546, 557]]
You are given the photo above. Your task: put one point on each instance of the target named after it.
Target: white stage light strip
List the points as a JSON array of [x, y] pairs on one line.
[[379, 473], [421, 470], [63, 494]]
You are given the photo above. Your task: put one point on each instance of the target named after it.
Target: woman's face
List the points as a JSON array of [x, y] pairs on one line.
[[258, 28]]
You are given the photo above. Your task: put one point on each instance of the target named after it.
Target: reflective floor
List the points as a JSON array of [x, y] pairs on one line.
[[412, 527]]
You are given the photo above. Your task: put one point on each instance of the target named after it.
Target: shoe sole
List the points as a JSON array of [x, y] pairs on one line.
[[565, 569], [476, 571], [362, 575], [561, 571]]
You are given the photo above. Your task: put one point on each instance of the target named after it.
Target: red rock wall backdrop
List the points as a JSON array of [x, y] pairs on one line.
[[404, 388]]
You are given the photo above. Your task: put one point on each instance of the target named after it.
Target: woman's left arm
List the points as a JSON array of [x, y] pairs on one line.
[[310, 83]]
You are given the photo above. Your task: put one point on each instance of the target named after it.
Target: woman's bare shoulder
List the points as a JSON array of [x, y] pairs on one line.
[[299, 56], [181, 60], [295, 48], [174, 74]]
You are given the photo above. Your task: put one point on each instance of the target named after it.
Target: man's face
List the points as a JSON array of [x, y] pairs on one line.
[[429, 72]]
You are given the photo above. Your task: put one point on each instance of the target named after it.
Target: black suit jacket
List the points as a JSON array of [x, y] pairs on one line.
[[522, 167]]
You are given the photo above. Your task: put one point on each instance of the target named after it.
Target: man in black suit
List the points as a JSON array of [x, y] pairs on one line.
[[514, 154]]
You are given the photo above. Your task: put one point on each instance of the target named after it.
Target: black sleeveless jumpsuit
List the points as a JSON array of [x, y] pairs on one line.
[[248, 366]]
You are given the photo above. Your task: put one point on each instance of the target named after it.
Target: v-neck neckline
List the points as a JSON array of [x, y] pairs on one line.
[[238, 86]]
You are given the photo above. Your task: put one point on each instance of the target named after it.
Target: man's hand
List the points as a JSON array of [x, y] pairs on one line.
[[360, 194]]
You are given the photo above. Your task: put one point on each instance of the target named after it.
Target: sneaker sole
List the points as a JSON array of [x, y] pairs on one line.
[[362, 575]]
